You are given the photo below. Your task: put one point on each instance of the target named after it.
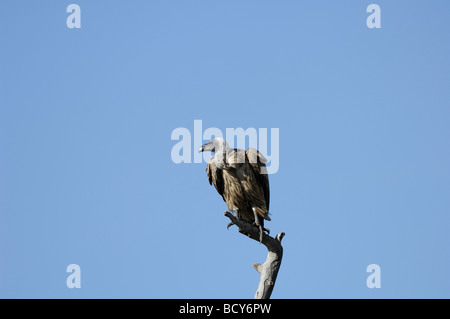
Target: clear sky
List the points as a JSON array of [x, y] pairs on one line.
[[86, 175]]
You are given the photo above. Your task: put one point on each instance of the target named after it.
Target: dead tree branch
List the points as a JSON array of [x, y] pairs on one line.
[[269, 269]]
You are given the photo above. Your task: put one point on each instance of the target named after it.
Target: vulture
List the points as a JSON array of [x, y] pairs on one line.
[[240, 177]]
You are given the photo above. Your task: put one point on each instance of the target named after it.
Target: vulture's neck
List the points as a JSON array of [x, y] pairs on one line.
[[221, 154]]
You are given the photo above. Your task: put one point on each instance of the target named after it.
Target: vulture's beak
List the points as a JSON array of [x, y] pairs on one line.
[[201, 148]]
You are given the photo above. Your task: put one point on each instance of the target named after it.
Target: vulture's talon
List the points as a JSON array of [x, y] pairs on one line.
[[230, 224]]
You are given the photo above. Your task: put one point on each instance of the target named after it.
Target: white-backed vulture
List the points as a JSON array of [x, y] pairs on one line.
[[241, 178]]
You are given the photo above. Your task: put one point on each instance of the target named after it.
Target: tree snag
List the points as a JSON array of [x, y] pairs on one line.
[[269, 269]]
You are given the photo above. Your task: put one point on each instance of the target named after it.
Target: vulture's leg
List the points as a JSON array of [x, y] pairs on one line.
[[258, 223], [238, 216]]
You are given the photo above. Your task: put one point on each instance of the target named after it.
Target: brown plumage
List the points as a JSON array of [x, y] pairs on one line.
[[240, 177]]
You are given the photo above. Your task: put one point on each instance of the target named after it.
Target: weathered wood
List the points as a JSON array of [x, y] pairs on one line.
[[269, 269]]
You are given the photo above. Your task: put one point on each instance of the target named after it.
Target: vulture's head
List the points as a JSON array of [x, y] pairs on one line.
[[217, 145]]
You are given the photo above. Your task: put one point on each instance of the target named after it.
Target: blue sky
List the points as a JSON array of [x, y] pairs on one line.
[[86, 175]]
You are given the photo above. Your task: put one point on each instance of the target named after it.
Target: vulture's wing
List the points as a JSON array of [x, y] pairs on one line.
[[258, 163], [215, 176]]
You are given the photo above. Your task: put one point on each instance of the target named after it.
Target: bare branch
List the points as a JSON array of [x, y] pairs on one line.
[[269, 269]]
